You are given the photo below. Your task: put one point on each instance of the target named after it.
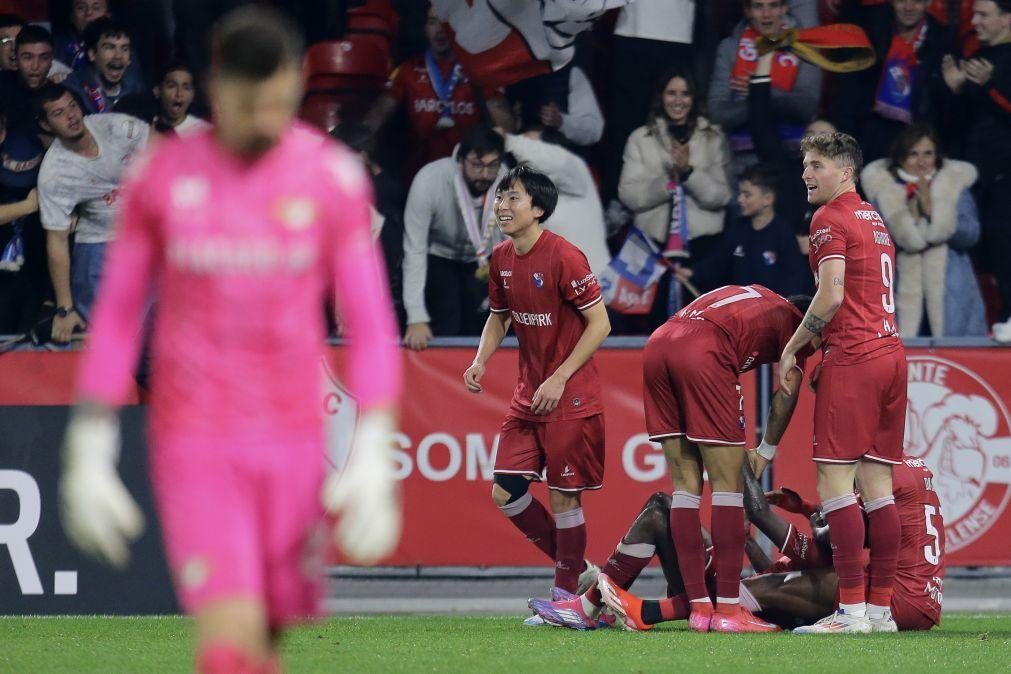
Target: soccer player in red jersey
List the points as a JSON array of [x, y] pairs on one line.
[[801, 585], [694, 408], [542, 285], [859, 414]]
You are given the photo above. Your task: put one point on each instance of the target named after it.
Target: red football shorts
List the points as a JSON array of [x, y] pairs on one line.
[[908, 616], [569, 452], [860, 410], [243, 522], [690, 385]]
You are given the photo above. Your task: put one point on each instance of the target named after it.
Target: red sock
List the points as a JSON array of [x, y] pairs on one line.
[[570, 548], [884, 532], [802, 549], [847, 524], [224, 658], [686, 531], [728, 547], [533, 519], [675, 608], [624, 566]]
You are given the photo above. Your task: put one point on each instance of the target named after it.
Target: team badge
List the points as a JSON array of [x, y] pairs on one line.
[[538, 279], [770, 257], [295, 213], [190, 192], [959, 426]]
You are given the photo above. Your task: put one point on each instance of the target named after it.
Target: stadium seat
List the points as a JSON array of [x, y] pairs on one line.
[[323, 112], [356, 63], [375, 17]]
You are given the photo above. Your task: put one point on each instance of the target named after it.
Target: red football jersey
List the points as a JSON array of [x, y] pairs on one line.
[[921, 553], [758, 322], [849, 228], [411, 86], [544, 291]]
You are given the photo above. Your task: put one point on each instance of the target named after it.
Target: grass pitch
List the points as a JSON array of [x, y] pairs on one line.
[[965, 643]]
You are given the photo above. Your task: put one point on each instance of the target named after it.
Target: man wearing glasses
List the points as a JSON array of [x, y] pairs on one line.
[[449, 231], [10, 26]]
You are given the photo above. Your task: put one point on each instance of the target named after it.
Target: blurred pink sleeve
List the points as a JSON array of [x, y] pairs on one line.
[[114, 333], [374, 368]]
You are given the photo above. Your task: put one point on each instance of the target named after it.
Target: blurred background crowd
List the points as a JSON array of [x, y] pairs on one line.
[[672, 137]]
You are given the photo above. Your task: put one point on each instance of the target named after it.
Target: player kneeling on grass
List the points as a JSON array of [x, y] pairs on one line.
[[542, 285], [241, 231]]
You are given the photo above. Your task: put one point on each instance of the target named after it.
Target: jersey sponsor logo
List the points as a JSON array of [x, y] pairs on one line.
[[567, 472], [820, 238], [505, 272], [190, 192], [295, 213], [580, 285], [219, 255], [538, 279], [435, 105], [868, 216], [882, 239], [960, 428], [535, 320]]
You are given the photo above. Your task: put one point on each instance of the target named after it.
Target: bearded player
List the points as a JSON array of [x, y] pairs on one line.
[[860, 411], [241, 231], [542, 285]]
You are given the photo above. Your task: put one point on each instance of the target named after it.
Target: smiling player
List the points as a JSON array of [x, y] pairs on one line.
[[543, 286]]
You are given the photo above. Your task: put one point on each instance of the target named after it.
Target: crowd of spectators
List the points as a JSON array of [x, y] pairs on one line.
[[667, 120]]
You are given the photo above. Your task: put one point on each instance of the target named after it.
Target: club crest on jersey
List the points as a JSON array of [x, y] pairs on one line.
[[295, 213], [538, 279], [190, 192], [770, 257], [959, 426]]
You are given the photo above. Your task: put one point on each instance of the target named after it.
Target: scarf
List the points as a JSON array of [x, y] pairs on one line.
[[443, 88], [784, 66], [894, 97], [479, 232]]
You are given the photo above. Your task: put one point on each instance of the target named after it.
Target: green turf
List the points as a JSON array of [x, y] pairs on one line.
[[966, 643]]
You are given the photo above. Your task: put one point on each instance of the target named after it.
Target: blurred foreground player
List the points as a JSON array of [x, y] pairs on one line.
[[860, 411], [542, 285], [695, 410], [241, 231]]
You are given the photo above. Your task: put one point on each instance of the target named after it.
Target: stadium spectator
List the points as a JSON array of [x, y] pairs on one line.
[[387, 211], [796, 84], [80, 175], [983, 83], [439, 99], [904, 86], [674, 171], [931, 215], [582, 123], [22, 245], [107, 77], [759, 247], [449, 231], [70, 46], [10, 26], [649, 36], [34, 52], [578, 215], [175, 92]]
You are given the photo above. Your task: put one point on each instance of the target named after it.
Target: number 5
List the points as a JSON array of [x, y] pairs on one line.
[[932, 552]]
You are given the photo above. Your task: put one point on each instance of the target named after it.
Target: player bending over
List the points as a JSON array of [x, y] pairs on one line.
[[241, 231], [542, 285]]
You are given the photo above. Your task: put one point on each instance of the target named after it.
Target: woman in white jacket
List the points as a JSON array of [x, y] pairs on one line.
[[677, 146]]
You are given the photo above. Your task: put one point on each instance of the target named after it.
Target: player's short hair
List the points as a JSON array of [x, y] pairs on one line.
[[802, 302], [357, 136], [543, 193], [103, 27], [8, 20], [32, 34], [48, 93], [841, 148], [762, 176], [910, 136], [480, 139], [254, 43], [748, 3]]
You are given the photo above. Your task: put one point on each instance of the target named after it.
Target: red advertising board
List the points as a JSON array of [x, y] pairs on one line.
[[957, 421], [446, 446]]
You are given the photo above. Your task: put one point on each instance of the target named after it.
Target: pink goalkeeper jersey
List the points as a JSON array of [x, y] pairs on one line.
[[241, 258]]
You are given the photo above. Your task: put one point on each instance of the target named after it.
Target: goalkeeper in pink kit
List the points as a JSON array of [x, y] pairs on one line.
[[241, 232]]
